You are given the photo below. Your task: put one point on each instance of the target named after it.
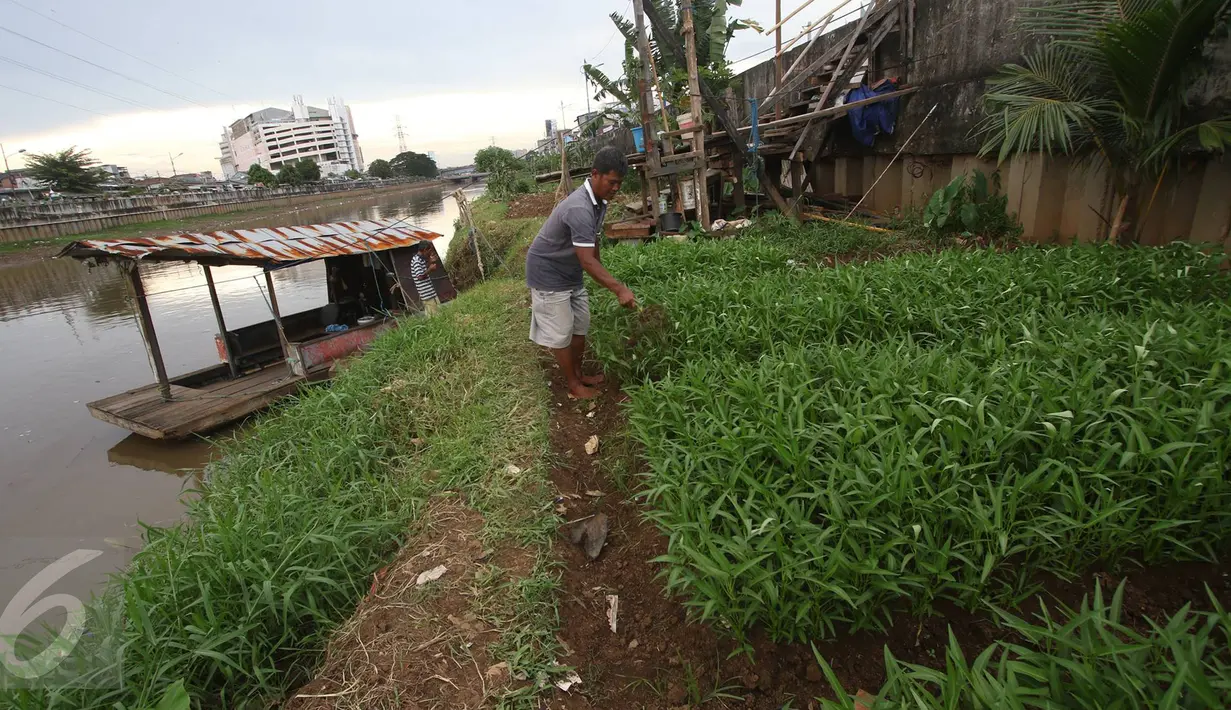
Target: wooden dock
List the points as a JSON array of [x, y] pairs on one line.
[[198, 408]]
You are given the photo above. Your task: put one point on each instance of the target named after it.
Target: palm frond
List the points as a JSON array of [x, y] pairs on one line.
[[1213, 136], [1076, 21], [1046, 105], [1155, 53]]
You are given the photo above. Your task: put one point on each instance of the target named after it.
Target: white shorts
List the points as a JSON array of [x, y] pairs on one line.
[[556, 316]]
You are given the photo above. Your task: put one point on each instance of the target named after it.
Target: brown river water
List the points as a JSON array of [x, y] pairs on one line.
[[68, 335]]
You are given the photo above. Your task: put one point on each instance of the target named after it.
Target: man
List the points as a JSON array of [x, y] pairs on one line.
[[566, 248], [419, 271]]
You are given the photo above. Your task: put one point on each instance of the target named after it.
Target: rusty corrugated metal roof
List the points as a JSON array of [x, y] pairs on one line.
[[254, 246]]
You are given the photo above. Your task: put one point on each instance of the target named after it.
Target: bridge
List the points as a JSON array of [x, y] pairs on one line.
[[461, 175]]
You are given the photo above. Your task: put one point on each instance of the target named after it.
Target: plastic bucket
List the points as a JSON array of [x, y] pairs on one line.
[[639, 139]]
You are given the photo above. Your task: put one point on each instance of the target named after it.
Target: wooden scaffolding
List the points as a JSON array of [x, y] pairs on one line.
[[794, 121]]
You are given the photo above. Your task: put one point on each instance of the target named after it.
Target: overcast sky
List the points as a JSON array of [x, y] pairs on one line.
[[459, 73]]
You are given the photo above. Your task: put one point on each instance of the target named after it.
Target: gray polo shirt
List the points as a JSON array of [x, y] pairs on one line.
[[551, 263]]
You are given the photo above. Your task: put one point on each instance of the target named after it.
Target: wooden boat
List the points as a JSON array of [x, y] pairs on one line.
[[367, 263]]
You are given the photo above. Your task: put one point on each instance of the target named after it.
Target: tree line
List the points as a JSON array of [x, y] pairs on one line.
[[75, 170]]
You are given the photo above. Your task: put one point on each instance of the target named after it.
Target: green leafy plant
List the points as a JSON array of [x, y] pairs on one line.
[[506, 182], [825, 446], [1109, 84], [1088, 658], [713, 32], [967, 204]]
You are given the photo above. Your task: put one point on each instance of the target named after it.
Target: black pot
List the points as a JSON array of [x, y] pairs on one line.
[[670, 222]]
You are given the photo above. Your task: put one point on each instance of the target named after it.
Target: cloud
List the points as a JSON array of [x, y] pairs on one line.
[[453, 125]]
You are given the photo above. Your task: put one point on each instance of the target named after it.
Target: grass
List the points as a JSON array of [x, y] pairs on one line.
[[239, 601], [501, 244], [1090, 657], [828, 446]]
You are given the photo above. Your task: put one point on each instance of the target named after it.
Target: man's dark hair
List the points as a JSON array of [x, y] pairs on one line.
[[610, 160]]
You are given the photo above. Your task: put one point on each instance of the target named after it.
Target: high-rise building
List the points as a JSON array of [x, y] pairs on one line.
[[273, 137]]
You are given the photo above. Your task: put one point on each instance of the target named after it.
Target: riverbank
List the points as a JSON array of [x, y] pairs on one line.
[[267, 215], [439, 434], [414, 519]]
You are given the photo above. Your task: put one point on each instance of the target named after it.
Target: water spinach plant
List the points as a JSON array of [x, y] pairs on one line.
[[827, 446]]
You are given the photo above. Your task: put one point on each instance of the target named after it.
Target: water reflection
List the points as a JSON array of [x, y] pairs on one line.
[[68, 336]]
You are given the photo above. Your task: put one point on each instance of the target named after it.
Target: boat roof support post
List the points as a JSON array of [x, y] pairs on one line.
[[148, 336], [222, 325], [273, 307]]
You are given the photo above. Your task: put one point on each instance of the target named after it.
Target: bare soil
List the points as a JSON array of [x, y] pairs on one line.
[[417, 646], [537, 204], [657, 658]]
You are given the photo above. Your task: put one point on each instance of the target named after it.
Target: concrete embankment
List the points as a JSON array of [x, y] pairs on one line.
[[57, 220]]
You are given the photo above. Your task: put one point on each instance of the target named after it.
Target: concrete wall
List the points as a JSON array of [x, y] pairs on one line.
[[62, 218], [958, 44]]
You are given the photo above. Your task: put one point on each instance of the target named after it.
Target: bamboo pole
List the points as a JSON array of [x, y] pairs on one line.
[[646, 104], [700, 176], [783, 20], [778, 50]]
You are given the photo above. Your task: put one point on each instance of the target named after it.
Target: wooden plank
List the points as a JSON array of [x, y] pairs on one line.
[[133, 426], [631, 229], [788, 87], [148, 336], [831, 112], [273, 307], [772, 98], [679, 157], [674, 169], [843, 74], [222, 325]]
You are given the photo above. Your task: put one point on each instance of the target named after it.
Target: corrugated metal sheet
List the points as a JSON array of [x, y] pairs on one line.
[[266, 245]]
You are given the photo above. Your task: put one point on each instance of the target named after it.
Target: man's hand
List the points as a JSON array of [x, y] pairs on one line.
[[626, 297]]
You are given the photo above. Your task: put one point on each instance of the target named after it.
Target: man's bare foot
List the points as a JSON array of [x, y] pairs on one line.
[[593, 380], [582, 392]]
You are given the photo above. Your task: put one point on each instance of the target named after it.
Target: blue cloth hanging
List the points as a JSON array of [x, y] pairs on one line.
[[869, 121]]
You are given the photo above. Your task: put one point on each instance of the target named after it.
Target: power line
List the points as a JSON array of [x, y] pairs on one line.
[[613, 33], [117, 49], [54, 101], [99, 66], [73, 82], [770, 49]]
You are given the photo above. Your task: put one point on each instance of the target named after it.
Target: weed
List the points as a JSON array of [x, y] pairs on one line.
[[969, 205]]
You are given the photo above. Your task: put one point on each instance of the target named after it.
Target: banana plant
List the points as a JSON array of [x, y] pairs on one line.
[[714, 33]]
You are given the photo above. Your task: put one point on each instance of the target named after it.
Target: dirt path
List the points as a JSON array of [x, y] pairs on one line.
[[657, 659]]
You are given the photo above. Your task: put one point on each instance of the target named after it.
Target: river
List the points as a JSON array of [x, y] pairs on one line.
[[68, 335]]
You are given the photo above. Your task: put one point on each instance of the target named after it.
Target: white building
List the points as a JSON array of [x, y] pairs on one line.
[[273, 137]]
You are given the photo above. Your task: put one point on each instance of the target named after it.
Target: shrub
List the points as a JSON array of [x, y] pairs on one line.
[[967, 205]]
